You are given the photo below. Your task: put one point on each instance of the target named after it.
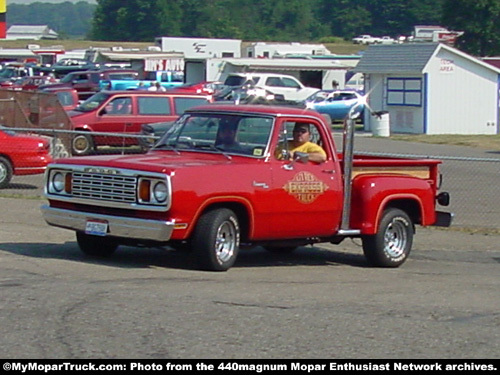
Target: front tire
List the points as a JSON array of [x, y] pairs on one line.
[[5, 172], [391, 245], [96, 246], [216, 239]]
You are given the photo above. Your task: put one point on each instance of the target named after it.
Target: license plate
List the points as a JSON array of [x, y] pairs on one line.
[[96, 228]]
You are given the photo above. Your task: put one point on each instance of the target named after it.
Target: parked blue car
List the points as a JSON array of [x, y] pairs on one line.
[[336, 103]]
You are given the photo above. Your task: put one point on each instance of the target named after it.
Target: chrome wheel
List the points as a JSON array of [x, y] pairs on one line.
[[225, 242], [395, 238], [216, 240], [5, 172], [391, 245], [82, 145]]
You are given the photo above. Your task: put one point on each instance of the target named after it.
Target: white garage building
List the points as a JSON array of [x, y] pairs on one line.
[[430, 88]]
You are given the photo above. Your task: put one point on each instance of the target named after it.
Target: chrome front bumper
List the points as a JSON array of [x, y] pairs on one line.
[[125, 227]]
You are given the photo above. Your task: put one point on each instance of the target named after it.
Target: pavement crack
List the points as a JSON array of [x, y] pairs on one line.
[[252, 305]]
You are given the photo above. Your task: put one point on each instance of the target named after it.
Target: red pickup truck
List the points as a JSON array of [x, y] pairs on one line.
[[190, 191]]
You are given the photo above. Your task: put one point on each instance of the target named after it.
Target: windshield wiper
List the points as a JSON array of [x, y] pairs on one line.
[[215, 148]]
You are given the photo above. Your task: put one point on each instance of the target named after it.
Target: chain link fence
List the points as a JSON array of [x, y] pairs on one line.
[[471, 181]]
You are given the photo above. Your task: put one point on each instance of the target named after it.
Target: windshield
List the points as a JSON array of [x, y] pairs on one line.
[[331, 96], [93, 102], [235, 81], [222, 133], [8, 73], [124, 76], [7, 130], [68, 78]]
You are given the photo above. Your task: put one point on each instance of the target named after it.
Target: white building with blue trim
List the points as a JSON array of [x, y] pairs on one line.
[[431, 88]]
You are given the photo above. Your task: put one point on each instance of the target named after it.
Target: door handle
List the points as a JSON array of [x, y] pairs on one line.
[[260, 184], [331, 171]]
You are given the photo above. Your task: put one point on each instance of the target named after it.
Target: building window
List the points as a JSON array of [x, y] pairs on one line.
[[404, 91]]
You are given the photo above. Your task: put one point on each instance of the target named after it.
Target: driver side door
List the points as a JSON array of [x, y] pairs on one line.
[[307, 196]]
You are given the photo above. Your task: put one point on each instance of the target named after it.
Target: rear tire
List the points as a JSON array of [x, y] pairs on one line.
[[5, 172], [216, 239], [391, 245], [96, 246]]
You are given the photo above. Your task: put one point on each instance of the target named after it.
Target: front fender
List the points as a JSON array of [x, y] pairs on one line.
[[241, 205], [372, 194]]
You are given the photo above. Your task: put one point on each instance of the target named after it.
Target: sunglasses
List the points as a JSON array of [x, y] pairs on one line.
[[301, 131]]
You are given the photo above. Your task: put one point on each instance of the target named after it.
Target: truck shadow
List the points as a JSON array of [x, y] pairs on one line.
[[20, 186], [165, 257]]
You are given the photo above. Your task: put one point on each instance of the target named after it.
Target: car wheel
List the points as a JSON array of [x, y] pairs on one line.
[[96, 246], [216, 239], [5, 172], [391, 245], [82, 144]]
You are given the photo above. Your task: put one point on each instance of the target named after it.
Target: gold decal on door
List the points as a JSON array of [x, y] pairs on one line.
[[305, 187]]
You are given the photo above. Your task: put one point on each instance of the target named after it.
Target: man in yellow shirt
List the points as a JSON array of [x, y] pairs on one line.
[[301, 143]]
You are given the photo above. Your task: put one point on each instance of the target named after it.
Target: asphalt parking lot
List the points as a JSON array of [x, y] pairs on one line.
[[320, 302]]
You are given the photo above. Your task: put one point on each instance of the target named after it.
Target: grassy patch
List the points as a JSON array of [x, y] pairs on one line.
[[489, 142]]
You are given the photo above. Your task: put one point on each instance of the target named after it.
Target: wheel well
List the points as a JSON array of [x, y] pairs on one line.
[[410, 206], [241, 212], [6, 157]]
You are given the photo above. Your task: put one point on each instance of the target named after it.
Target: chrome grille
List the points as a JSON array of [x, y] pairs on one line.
[[112, 188]]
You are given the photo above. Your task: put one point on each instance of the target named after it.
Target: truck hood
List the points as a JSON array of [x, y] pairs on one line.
[[73, 113], [157, 161]]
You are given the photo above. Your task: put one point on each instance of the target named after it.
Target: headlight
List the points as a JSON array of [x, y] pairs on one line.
[[160, 192], [153, 191], [58, 182]]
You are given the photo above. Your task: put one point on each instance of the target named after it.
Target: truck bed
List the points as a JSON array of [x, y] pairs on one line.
[[420, 168]]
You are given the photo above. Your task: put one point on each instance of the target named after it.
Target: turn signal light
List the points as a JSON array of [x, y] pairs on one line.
[[145, 191], [67, 183]]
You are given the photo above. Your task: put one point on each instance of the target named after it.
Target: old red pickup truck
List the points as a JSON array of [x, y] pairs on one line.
[[194, 191]]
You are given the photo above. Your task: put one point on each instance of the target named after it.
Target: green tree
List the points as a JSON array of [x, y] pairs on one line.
[[344, 18], [170, 17], [480, 22], [116, 20], [71, 19]]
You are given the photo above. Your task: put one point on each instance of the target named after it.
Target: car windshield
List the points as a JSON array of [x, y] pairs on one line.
[[234, 81], [8, 73], [220, 133], [331, 96], [93, 102], [68, 78], [124, 76], [7, 131]]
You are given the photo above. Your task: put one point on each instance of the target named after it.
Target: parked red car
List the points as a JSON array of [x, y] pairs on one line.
[[28, 83], [67, 96], [204, 87], [21, 155], [124, 112]]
